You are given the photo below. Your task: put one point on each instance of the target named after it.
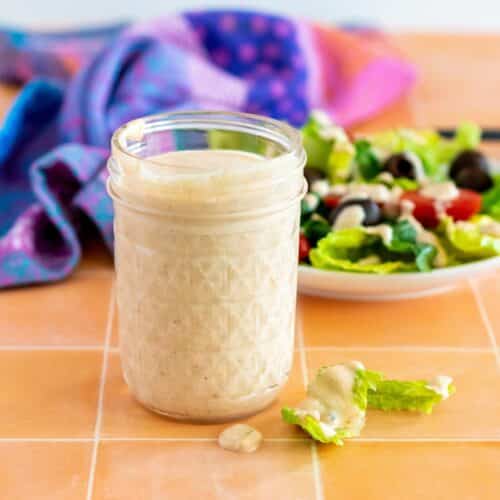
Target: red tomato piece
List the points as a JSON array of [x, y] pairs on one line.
[[425, 211], [331, 200], [304, 247], [467, 204]]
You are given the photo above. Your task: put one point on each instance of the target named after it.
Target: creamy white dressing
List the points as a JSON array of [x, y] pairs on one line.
[[385, 177], [321, 117], [441, 385], [380, 153], [330, 397], [188, 349], [240, 438], [489, 227], [328, 429], [424, 236], [411, 135], [333, 133], [418, 166], [321, 187], [407, 207], [311, 201], [384, 231], [486, 226], [338, 189], [328, 130], [371, 260], [350, 216], [379, 193], [440, 191]]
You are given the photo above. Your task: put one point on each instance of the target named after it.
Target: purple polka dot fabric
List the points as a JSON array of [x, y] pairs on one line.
[[78, 87]]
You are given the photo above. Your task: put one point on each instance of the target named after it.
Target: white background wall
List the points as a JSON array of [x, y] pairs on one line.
[[397, 14]]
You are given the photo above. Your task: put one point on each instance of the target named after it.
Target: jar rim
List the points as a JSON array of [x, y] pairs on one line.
[[286, 164], [270, 128]]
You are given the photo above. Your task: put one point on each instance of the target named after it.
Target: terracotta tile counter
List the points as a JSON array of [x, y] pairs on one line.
[[70, 430]]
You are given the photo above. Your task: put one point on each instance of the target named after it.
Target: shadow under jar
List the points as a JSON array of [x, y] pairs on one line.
[[207, 208]]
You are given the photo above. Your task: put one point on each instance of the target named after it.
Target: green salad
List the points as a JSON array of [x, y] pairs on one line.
[[397, 201]]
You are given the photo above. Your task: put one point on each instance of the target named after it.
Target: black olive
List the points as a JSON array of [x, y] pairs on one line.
[[399, 165], [313, 174], [373, 214], [470, 170]]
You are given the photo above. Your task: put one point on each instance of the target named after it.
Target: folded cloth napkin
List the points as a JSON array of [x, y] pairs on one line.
[[80, 86]]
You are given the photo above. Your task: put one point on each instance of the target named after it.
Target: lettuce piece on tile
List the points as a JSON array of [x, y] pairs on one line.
[[418, 395], [366, 380], [315, 428], [335, 406]]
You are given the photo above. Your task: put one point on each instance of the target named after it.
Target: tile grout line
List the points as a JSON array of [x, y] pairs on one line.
[[46, 440], [269, 440], [318, 481], [427, 440], [451, 349], [51, 347], [114, 349], [486, 320], [100, 399]]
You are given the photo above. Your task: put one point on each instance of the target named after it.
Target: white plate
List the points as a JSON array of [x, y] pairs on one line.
[[359, 286]]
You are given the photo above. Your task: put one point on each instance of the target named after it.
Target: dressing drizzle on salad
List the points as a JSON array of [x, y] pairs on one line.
[[397, 201]]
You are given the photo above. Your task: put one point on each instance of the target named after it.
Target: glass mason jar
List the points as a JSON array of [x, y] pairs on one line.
[[207, 208]]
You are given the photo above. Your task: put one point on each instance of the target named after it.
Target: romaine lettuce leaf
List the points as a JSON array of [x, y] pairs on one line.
[[345, 249], [467, 241], [341, 249], [404, 241], [313, 427], [329, 395], [331, 399], [315, 229], [368, 164], [340, 161], [328, 147], [321, 261], [491, 200], [405, 183], [405, 395], [317, 148], [364, 381]]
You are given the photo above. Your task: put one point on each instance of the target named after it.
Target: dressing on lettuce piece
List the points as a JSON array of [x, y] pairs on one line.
[[469, 240], [348, 249], [337, 399], [418, 395], [336, 402]]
